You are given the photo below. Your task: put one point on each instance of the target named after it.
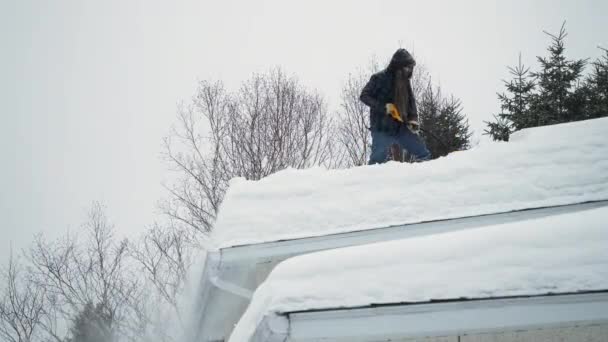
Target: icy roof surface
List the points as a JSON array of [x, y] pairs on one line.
[[561, 253], [553, 165]]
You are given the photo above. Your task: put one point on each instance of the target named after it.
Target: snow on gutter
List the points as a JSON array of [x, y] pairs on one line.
[[232, 274], [403, 321]]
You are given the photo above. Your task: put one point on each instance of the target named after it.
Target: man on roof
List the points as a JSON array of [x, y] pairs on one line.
[[393, 113]]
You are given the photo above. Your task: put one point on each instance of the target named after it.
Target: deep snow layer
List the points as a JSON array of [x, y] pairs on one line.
[[553, 165], [561, 253]]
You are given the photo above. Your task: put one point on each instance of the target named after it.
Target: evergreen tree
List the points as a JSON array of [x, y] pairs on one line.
[[515, 104], [429, 106], [555, 94], [500, 130], [453, 126], [91, 325], [429, 109], [597, 88], [445, 127], [558, 99]]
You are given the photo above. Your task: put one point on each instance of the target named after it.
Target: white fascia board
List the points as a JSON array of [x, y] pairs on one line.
[[283, 249], [447, 319]]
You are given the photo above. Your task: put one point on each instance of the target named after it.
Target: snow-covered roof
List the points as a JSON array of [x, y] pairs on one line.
[[545, 166], [556, 254]]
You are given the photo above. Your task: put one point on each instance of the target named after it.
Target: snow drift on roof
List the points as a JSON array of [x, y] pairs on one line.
[[553, 165], [556, 254]]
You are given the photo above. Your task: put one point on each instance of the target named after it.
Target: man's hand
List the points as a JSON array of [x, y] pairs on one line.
[[393, 112], [414, 126]]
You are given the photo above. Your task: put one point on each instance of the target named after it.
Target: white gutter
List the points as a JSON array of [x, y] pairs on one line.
[[407, 321], [231, 288], [220, 301]]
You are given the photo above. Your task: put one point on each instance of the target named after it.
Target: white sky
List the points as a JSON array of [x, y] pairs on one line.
[[88, 89]]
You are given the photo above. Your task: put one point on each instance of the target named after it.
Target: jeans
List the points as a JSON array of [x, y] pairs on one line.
[[405, 139]]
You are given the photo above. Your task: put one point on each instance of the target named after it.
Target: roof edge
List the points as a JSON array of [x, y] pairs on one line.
[[451, 300], [468, 317], [345, 239]]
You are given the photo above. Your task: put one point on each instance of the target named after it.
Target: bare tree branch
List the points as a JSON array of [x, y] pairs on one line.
[[22, 304], [271, 123], [75, 273]]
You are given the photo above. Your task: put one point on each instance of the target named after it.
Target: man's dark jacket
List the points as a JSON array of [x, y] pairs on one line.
[[380, 90]]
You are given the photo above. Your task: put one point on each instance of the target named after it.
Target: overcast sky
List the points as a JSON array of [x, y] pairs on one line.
[[89, 88]]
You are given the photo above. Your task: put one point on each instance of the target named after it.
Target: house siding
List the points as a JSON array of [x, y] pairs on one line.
[[586, 333], [564, 333]]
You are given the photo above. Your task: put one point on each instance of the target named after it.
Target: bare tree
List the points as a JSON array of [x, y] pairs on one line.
[[22, 304], [354, 136], [165, 255], [96, 271], [271, 123]]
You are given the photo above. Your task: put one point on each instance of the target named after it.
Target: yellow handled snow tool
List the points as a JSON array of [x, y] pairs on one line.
[[392, 110]]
